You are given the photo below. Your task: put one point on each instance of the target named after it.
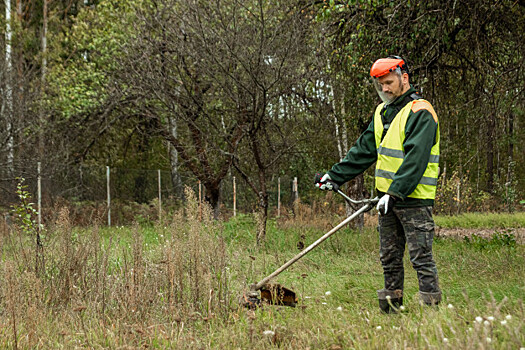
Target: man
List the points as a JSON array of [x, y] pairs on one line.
[[403, 141]]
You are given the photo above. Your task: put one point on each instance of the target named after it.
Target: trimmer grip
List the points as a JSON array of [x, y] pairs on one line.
[[319, 176]]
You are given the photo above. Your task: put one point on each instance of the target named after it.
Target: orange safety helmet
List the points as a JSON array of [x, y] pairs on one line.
[[386, 65]]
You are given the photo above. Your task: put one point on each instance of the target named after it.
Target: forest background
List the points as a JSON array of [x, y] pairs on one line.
[[260, 90]]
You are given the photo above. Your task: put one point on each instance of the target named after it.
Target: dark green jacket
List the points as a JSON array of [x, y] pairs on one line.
[[420, 136]]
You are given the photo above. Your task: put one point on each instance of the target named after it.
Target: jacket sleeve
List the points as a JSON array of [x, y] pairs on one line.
[[420, 137], [360, 157]]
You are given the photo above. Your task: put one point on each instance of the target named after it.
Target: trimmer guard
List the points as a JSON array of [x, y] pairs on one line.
[[278, 295]]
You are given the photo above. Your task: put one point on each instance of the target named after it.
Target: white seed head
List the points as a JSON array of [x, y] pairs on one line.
[[268, 333], [445, 340], [486, 323], [402, 308], [489, 340], [328, 293], [378, 328], [504, 322], [339, 308], [450, 306], [508, 317], [388, 297], [479, 319], [490, 318]]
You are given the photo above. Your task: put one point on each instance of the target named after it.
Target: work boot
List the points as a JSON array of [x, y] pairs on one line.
[[430, 299], [390, 300]]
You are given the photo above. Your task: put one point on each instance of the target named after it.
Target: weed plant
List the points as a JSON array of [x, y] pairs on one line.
[[177, 285]]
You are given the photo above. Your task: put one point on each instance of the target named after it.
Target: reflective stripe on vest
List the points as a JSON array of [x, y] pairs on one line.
[[390, 151]]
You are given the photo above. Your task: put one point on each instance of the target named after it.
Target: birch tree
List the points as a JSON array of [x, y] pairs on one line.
[[7, 101]]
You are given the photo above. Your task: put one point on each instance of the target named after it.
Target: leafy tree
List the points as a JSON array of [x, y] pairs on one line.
[[463, 58], [222, 74]]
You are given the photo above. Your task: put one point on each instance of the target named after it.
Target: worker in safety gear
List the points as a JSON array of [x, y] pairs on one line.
[[403, 140]]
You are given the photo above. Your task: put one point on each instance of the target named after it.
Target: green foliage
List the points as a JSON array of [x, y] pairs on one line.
[[463, 58], [82, 58], [498, 240], [24, 212], [25, 216], [451, 72], [456, 194]]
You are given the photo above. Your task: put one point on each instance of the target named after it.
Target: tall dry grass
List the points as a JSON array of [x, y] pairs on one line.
[[99, 288], [323, 214]]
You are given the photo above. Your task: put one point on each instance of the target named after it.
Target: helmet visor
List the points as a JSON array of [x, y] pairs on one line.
[[386, 97]]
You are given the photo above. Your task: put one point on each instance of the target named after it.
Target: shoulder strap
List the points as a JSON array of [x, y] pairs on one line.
[[423, 104]]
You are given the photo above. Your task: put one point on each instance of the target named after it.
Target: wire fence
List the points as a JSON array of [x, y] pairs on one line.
[[122, 195], [118, 195]]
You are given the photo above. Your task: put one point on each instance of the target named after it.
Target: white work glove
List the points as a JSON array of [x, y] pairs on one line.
[[385, 204], [325, 184]]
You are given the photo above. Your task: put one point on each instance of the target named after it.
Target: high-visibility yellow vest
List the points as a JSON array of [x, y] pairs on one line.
[[390, 151]]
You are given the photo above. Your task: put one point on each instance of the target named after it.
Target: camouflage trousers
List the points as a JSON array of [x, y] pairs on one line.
[[413, 227]]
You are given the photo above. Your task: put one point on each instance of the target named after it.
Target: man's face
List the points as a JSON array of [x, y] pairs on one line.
[[392, 85]]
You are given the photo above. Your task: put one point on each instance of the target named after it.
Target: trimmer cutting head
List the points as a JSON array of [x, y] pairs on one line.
[[274, 294]]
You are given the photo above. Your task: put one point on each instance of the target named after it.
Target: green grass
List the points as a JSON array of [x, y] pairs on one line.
[[482, 220], [131, 307], [476, 283]]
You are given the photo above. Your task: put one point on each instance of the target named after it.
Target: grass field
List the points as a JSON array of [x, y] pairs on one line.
[[178, 285], [482, 220]]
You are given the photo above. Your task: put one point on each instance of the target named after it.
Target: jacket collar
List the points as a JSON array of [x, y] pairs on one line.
[[401, 98]]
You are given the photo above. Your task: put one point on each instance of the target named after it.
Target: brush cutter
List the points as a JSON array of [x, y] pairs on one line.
[[279, 295]]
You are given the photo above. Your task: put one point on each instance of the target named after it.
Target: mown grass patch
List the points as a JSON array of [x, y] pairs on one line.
[[481, 220]]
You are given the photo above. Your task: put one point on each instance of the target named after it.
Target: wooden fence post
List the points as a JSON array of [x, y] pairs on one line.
[[295, 190], [39, 190], [108, 188], [278, 197], [234, 198], [160, 197], [200, 200]]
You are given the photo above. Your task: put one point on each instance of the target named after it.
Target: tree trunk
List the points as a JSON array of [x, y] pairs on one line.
[[491, 123], [174, 160], [213, 197], [7, 105], [41, 136], [262, 217], [510, 150]]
